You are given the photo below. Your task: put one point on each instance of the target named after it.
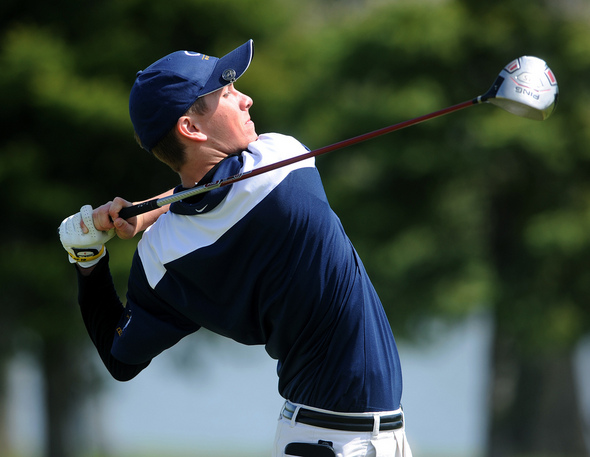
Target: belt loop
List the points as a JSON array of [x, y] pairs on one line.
[[376, 424], [281, 414], [294, 417]]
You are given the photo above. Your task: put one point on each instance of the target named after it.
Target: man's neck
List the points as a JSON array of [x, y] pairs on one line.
[[193, 171]]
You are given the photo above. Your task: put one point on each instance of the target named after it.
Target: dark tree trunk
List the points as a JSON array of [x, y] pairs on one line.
[[535, 408], [4, 441], [62, 400], [534, 399]]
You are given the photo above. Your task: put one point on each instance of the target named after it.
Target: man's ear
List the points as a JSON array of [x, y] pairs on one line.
[[189, 129]]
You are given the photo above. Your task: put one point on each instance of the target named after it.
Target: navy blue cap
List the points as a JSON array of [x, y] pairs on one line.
[[166, 89]]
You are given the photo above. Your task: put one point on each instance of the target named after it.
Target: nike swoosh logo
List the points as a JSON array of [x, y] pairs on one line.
[[202, 209]]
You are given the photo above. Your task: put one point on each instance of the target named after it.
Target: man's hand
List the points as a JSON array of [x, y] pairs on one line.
[[84, 234], [85, 248], [106, 217]]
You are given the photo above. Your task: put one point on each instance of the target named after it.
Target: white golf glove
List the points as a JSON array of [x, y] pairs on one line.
[[85, 249]]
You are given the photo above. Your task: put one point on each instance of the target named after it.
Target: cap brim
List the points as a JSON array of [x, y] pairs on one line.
[[229, 68]]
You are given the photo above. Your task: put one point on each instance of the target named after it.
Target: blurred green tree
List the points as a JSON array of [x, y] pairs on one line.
[[476, 211]]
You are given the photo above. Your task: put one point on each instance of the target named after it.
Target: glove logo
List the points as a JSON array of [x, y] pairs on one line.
[[85, 252]]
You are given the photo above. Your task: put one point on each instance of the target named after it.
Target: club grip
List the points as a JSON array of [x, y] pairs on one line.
[[135, 210]]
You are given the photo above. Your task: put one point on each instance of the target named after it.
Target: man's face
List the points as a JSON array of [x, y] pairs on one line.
[[227, 124]]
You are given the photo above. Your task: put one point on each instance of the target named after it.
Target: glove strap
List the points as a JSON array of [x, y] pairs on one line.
[[87, 258]]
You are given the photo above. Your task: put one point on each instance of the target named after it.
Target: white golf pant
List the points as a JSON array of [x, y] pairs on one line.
[[391, 443]]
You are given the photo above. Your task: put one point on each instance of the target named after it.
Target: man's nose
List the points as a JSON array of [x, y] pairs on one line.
[[247, 102]]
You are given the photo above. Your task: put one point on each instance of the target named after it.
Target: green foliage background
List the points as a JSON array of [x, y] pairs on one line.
[[480, 210]]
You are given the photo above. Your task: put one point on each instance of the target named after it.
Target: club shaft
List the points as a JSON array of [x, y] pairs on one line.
[[150, 205]]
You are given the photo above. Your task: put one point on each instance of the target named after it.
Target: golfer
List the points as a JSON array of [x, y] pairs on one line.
[[262, 261]]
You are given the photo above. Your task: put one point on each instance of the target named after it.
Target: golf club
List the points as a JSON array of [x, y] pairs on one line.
[[525, 87]]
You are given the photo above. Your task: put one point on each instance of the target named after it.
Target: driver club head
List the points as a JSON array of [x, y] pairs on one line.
[[525, 87]]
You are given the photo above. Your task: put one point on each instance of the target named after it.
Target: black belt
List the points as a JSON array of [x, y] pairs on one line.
[[346, 423]]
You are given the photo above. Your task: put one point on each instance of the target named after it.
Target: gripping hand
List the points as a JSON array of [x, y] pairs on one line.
[[85, 249]]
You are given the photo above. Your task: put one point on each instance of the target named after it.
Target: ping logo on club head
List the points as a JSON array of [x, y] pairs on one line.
[[529, 80], [526, 82]]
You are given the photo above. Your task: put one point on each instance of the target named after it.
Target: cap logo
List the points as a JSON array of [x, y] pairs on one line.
[[196, 54], [229, 75]]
